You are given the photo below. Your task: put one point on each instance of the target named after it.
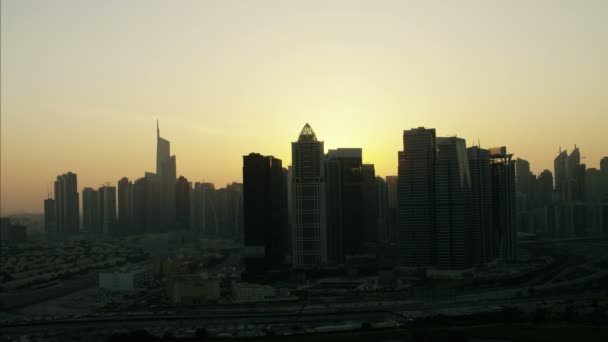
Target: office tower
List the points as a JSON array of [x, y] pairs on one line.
[[49, 217], [204, 213], [416, 196], [604, 165], [125, 206], [503, 202], [370, 204], [392, 183], [90, 216], [484, 236], [576, 177], [182, 203], [344, 202], [545, 188], [384, 235], [265, 213], [523, 176], [166, 173], [454, 244], [153, 203], [11, 234], [139, 206], [309, 241], [596, 183], [100, 210], [560, 164], [67, 205], [229, 202], [109, 210]]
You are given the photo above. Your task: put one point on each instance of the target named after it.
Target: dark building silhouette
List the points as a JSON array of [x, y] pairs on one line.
[[392, 182], [484, 236], [560, 164], [11, 234], [384, 234], [545, 188], [182, 203], [230, 211], [125, 206], [416, 196], [265, 213], [90, 215], [50, 222], [100, 210], [203, 210], [67, 205], [370, 204], [166, 173], [139, 206], [344, 199], [153, 203], [109, 210], [454, 239], [604, 165], [504, 202], [309, 240]]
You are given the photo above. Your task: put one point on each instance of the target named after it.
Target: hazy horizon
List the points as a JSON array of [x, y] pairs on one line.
[[83, 83]]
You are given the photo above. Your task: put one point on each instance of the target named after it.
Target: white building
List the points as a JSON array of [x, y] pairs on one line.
[[193, 289], [124, 280], [246, 292]]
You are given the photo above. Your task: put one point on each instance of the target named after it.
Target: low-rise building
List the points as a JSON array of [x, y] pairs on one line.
[[193, 289], [247, 292], [124, 280]]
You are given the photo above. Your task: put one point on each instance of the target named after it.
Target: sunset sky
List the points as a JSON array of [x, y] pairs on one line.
[[83, 82]]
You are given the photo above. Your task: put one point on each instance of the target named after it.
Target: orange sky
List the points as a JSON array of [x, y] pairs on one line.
[[83, 82]]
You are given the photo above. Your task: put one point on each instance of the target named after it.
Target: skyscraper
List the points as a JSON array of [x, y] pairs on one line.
[[90, 216], [604, 165], [49, 217], [384, 235], [309, 240], [392, 182], [344, 201], [152, 203], [453, 205], [182, 203], [416, 196], [370, 203], [545, 188], [523, 176], [484, 234], [504, 203], [67, 212], [265, 212], [109, 210], [139, 206], [166, 172], [125, 206], [560, 164]]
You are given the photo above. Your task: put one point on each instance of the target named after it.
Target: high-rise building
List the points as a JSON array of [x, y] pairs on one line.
[[49, 217], [560, 164], [230, 211], [153, 203], [416, 196], [139, 206], [67, 212], [203, 210], [370, 203], [545, 188], [384, 234], [100, 210], [90, 216], [576, 177], [523, 176], [604, 165], [125, 206], [392, 183], [484, 236], [309, 240], [504, 203], [454, 238], [109, 210], [344, 202], [166, 173], [265, 212], [182, 203]]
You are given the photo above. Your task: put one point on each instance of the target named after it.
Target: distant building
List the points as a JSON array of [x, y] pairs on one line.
[[504, 202], [265, 213], [153, 203], [384, 233], [182, 203], [604, 165], [167, 174], [250, 293], [67, 212], [370, 203], [392, 183], [10, 233], [484, 236], [193, 289], [560, 164], [309, 240], [125, 206], [109, 210], [230, 211], [545, 188], [124, 280], [139, 206], [50, 222], [90, 215], [416, 197]]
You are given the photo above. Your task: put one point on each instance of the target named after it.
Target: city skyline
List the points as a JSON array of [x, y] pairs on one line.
[[81, 83]]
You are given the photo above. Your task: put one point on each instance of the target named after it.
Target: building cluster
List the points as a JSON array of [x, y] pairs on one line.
[[571, 201], [156, 203], [11, 233]]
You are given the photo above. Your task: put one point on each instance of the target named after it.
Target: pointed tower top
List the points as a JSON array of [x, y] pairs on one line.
[[307, 134]]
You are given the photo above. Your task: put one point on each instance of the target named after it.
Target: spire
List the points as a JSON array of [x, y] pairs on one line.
[[307, 134]]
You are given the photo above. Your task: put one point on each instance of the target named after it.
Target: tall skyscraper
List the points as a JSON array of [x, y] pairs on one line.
[[153, 203], [504, 203], [416, 198], [90, 216], [204, 213], [392, 182], [166, 172], [560, 164], [523, 176], [182, 203], [604, 165], [344, 201], [484, 234], [309, 241], [100, 210], [384, 234], [453, 205], [265, 212], [139, 206], [109, 210], [545, 188], [370, 203], [125, 206], [67, 211], [50, 221]]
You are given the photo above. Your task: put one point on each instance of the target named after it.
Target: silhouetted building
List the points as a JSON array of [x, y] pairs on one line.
[[125, 206], [182, 203], [604, 165], [416, 198], [504, 202], [67, 212], [484, 234], [90, 216], [11, 234], [384, 234], [100, 210], [49, 217], [152, 201], [309, 241], [370, 203], [560, 164], [204, 210], [344, 202], [230, 211], [139, 206], [109, 210], [265, 213], [392, 183], [166, 173], [454, 240], [545, 188]]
